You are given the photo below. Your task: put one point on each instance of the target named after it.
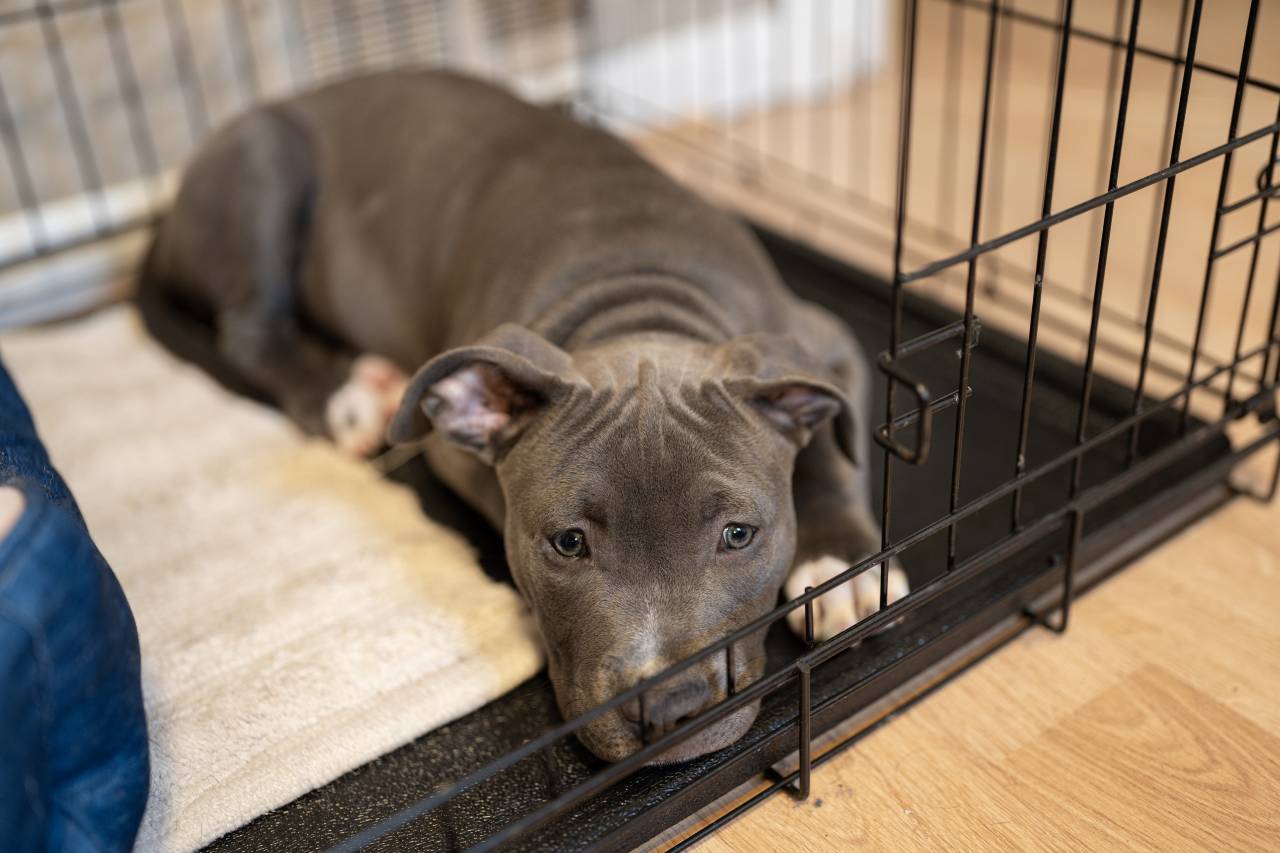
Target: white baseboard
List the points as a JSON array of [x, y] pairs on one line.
[[91, 272], [72, 281]]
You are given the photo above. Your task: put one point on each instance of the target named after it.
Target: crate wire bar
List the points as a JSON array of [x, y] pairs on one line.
[[1071, 515]]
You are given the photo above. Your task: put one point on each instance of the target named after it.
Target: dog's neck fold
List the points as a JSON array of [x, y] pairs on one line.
[[635, 305]]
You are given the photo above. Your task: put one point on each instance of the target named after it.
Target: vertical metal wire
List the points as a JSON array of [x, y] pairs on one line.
[[398, 31], [291, 37], [695, 67], [450, 33], [1269, 495], [32, 216], [73, 115], [805, 731], [820, 156], [144, 147], [1069, 567], [730, 110], [1267, 379], [664, 57], [868, 103], [779, 52], [245, 66], [1157, 267], [789, 65], [1000, 127], [1241, 82], [764, 59], [859, 102], [501, 19], [307, 52], [1106, 135], [730, 671], [1183, 19], [1263, 206], [348, 32], [585, 47], [808, 619], [971, 285], [949, 178], [1042, 250], [1104, 243], [193, 102], [910, 11], [805, 701]]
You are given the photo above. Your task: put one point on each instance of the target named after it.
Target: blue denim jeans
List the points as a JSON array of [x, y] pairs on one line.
[[73, 739]]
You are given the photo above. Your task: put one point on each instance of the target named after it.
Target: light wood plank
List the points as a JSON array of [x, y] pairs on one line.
[[1152, 723]]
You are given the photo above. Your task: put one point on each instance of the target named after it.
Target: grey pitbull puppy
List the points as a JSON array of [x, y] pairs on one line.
[[607, 367]]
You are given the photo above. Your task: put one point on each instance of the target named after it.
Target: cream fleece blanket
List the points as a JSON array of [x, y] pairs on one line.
[[299, 616]]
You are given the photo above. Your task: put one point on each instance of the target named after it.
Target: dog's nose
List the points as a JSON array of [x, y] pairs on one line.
[[666, 706]]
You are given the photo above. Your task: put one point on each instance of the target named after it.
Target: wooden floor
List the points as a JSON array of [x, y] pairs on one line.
[[1154, 723]]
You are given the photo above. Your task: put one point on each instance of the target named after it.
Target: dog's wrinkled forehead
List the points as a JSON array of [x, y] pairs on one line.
[[658, 436], [652, 365], [645, 410], [514, 388]]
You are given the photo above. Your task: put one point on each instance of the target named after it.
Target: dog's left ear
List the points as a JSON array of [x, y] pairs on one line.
[[482, 397], [787, 385]]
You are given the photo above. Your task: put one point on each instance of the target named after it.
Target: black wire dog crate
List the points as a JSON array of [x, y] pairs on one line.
[[1049, 218]]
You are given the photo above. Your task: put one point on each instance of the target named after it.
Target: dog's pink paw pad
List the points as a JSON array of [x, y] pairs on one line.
[[846, 605], [357, 413], [382, 376]]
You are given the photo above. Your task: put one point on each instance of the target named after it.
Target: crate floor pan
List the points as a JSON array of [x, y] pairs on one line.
[[1000, 583]]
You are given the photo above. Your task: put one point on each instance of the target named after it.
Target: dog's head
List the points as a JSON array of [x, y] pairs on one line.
[[648, 506]]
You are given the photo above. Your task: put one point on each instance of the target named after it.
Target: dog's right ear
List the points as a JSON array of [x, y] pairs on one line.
[[481, 397], [790, 388]]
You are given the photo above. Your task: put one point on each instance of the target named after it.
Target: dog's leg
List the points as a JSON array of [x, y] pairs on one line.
[[835, 530], [835, 524], [324, 390], [235, 240], [357, 413]]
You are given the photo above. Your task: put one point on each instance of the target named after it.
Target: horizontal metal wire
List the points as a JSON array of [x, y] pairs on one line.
[[1245, 241], [946, 582], [1027, 17], [1005, 267], [1084, 500], [1267, 192], [1072, 212]]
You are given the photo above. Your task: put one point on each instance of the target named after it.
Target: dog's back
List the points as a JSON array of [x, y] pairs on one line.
[[437, 206], [596, 343]]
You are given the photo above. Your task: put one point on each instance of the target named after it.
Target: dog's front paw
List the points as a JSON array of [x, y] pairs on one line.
[[357, 413], [847, 604]]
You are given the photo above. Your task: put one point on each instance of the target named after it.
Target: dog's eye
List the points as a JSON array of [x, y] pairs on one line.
[[570, 543], [737, 536]]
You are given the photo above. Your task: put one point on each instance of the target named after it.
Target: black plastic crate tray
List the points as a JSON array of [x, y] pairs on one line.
[[649, 801]]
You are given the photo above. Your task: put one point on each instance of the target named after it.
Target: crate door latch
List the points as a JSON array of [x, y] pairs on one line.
[[925, 405]]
